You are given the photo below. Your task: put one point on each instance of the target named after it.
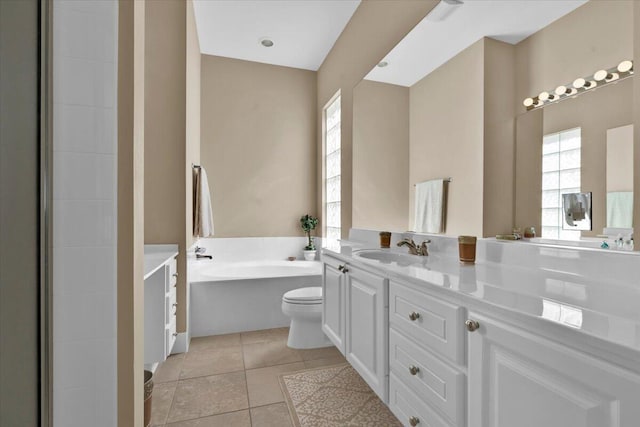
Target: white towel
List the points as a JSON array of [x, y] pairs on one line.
[[620, 209], [206, 213], [430, 206]]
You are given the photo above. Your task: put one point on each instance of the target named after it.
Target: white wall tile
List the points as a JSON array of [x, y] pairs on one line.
[[84, 209]]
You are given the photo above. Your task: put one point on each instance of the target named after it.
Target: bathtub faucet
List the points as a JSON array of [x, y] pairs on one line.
[[200, 251]]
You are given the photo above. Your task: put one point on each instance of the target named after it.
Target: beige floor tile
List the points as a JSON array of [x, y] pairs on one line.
[[264, 386], [169, 370], [214, 342], [161, 402], [317, 363], [276, 415], [204, 396], [269, 353], [231, 419], [277, 334], [212, 362], [320, 353]]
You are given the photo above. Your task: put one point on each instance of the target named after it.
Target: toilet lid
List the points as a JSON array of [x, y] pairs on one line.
[[313, 294]]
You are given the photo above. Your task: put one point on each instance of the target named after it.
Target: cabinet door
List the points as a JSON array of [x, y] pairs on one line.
[[519, 379], [333, 307], [367, 328]]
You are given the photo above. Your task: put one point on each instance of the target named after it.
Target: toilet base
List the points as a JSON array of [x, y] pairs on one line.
[[307, 333]]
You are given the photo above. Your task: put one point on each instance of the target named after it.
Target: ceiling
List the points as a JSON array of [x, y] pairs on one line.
[[303, 31], [448, 30]]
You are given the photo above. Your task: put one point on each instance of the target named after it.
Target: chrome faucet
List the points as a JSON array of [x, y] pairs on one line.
[[414, 249]]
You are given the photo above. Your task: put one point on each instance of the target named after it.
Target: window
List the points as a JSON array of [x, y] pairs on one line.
[[560, 175], [332, 192]]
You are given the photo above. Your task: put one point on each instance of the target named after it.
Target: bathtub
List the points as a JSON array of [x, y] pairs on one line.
[[228, 297]]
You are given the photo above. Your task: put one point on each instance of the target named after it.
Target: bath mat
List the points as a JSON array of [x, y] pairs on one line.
[[334, 396]]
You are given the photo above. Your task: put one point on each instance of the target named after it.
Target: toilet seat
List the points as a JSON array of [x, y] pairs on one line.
[[306, 296]]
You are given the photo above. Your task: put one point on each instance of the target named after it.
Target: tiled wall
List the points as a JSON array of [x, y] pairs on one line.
[[84, 208]]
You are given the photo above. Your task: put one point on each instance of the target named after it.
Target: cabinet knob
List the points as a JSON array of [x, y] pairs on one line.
[[175, 304], [175, 274], [340, 267], [343, 268], [414, 316], [413, 370], [175, 334], [471, 325], [414, 421]]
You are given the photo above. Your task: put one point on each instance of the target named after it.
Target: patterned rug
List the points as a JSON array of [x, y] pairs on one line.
[[333, 396]]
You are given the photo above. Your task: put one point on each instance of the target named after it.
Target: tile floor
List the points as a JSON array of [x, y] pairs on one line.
[[231, 380]]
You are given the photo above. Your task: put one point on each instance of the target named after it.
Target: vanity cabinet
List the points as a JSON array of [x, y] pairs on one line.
[[334, 300], [426, 358], [355, 318], [160, 302], [367, 327], [520, 379]]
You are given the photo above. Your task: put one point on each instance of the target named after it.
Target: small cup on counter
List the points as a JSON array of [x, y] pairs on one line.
[[467, 249], [385, 239]]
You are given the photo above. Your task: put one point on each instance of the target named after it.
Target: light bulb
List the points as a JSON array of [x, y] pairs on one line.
[[546, 96], [602, 75], [625, 66], [528, 102], [579, 83]]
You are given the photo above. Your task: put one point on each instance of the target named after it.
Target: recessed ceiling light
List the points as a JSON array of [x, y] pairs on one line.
[[266, 42], [383, 64]]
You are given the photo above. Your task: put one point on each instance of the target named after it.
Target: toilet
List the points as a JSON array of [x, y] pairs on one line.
[[304, 307]]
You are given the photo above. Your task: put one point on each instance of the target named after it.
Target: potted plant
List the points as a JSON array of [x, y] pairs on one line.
[[309, 223]]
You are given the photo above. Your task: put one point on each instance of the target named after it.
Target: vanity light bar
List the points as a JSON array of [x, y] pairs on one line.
[[600, 78]]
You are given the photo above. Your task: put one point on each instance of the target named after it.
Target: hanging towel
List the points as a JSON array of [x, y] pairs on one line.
[[620, 209], [430, 206], [202, 212]]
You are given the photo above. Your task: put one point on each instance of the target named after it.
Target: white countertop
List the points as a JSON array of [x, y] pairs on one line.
[[155, 256], [607, 310]]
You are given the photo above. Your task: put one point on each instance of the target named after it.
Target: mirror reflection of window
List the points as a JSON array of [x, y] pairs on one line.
[[620, 177], [560, 175]]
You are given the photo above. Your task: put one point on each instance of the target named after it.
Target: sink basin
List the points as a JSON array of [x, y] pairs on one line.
[[387, 257]]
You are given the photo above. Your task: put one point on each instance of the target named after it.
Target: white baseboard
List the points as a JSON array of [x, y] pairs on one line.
[[182, 343]]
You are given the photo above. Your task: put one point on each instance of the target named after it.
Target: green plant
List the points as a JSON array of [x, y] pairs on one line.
[[309, 223]]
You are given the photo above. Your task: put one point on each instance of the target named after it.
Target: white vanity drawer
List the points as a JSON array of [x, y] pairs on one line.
[[436, 325], [408, 407], [437, 384]]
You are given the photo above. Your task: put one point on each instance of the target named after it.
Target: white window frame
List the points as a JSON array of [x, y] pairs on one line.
[[331, 230]]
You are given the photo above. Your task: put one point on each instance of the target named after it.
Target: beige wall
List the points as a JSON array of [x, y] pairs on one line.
[[380, 156], [619, 159], [499, 132], [597, 35], [446, 137], [192, 111], [165, 133], [374, 29], [258, 146], [131, 89]]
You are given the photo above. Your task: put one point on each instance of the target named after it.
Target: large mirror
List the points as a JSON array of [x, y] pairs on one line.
[[447, 103]]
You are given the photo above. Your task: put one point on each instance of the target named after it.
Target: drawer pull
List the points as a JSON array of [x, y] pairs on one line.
[[175, 274], [414, 421], [414, 316], [471, 325], [413, 370]]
